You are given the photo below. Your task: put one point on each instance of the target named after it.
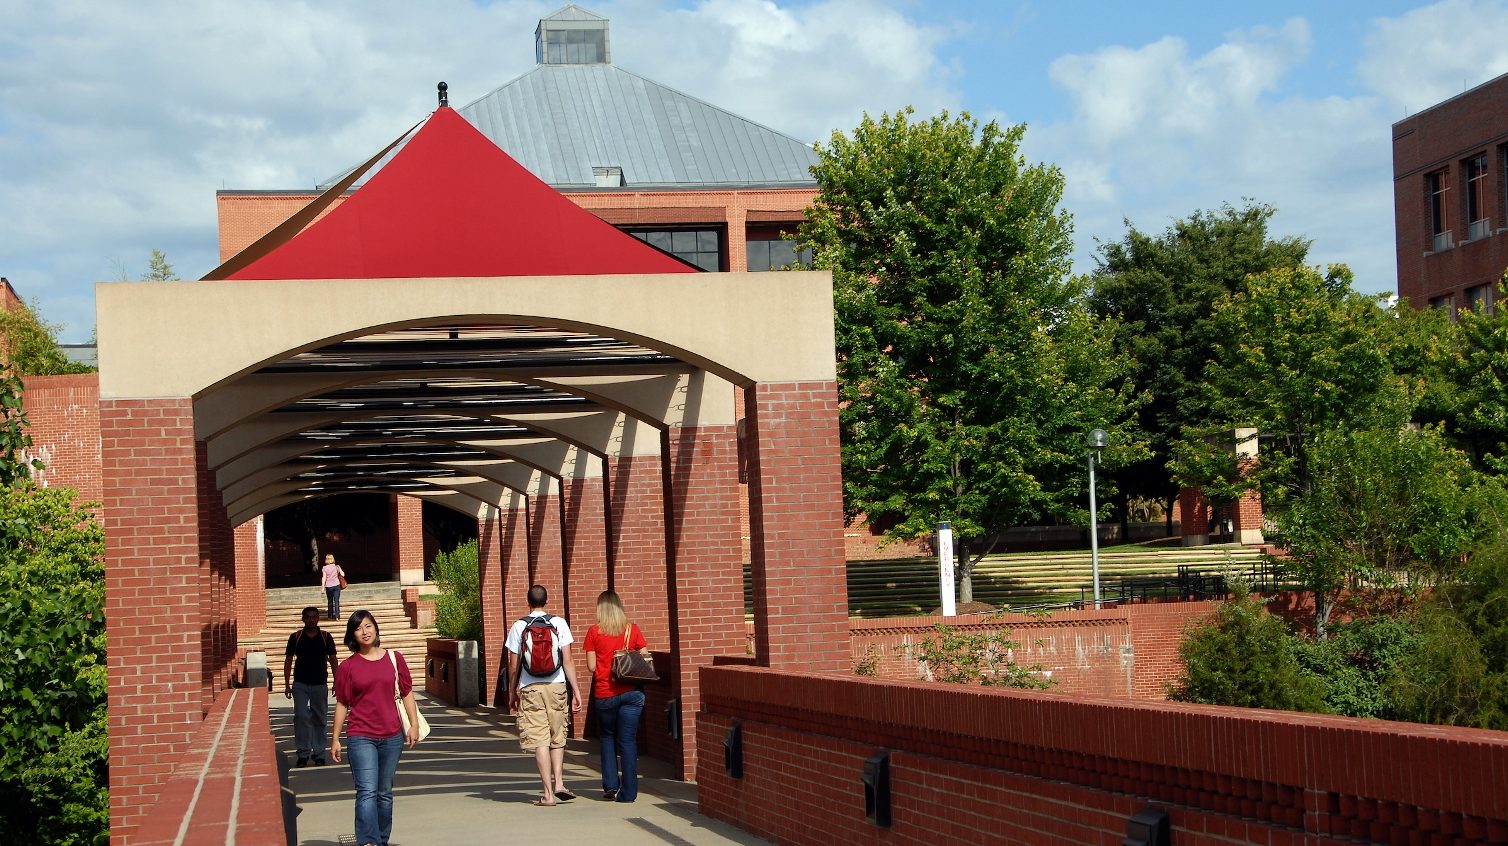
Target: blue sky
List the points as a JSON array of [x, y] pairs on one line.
[[118, 122]]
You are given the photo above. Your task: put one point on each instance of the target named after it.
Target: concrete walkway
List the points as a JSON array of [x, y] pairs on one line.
[[470, 784]]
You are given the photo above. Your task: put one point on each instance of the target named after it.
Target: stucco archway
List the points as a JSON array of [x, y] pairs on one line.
[[211, 407]]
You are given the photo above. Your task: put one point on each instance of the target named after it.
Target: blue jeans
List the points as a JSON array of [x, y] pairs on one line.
[[373, 762], [310, 706], [619, 718], [332, 602]]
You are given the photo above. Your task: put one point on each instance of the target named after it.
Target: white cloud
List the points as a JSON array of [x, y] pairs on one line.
[[1156, 133], [1435, 52], [118, 122]]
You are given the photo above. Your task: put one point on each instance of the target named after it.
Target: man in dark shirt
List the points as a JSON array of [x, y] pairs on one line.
[[305, 682]]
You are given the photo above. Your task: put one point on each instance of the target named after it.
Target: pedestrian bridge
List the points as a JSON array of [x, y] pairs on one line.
[[830, 758]]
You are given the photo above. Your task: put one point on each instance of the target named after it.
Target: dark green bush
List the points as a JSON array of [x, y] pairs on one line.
[[458, 609], [1245, 656]]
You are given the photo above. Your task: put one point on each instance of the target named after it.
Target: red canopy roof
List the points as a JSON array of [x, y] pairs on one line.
[[451, 203]]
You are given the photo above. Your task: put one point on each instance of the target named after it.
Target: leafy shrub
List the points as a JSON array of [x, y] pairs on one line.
[[458, 609], [1247, 657], [54, 750], [976, 657], [1358, 662]]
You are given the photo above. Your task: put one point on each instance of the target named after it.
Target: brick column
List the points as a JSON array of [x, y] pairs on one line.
[[490, 583], [251, 579], [636, 543], [217, 564], [702, 534], [408, 539], [1246, 512], [583, 534], [546, 561], [513, 547], [153, 597], [1193, 517], [796, 526]]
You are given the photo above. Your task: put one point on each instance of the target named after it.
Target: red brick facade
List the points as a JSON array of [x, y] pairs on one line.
[[1127, 651], [154, 608], [64, 416], [408, 539], [980, 765], [705, 559], [795, 521], [1441, 143]]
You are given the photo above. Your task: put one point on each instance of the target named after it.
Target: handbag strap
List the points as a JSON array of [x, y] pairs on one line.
[[394, 662]]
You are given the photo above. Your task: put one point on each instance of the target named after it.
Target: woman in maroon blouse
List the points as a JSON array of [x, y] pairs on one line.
[[364, 695], [619, 705]]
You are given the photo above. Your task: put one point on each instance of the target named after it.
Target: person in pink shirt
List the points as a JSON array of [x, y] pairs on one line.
[[333, 579], [366, 709]]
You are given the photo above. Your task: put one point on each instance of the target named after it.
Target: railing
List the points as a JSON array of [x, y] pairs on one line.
[[1192, 583]]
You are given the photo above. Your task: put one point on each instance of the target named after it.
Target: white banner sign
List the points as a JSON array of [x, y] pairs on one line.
[[945, 568]]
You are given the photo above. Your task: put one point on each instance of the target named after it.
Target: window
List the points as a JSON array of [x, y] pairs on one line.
[[1438, 186], [778, 254], [1476, 197], [1479, 298], [701, 247], [774, 247], [574, 47], [1444, 301]]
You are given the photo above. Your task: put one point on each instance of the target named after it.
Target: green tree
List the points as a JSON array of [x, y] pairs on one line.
[[458, 609], [1480, 375], [1295, 354], [969, 368], [53, 744], [29, 344], [158, 268], [14, 440], [1381, 505], [1359, 661], [1245, 656], [1162, 288]]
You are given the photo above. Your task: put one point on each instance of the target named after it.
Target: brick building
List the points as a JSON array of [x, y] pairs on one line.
[[1450, 199]]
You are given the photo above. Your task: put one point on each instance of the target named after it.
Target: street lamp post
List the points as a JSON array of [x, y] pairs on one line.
[[1098, 440]]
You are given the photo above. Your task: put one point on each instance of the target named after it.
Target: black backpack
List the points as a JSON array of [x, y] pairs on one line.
[[537, 650]]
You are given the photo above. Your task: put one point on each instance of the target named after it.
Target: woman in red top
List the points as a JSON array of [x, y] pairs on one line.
[[364, 694], [619, 706]]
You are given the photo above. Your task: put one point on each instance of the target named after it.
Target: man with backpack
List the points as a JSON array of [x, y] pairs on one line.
[[539, 668], [305, 682]]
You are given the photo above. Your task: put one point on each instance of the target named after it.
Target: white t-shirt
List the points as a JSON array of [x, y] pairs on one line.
[[515, 643]]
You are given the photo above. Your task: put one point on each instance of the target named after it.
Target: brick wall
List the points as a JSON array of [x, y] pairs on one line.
[[490, 586], [636, 543], [1125, 651], [705, 562], [228, 790], [976, 765], [64, 416]]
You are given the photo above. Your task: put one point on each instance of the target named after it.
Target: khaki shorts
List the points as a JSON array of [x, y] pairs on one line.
[[542, 710]]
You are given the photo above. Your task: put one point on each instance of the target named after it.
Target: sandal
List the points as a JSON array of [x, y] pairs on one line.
[[564, 795], [543, 804]]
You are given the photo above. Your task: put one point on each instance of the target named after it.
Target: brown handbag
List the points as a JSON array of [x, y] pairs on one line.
[[631, 667]]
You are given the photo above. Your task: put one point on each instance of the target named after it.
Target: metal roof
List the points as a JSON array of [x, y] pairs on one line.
[[573, 12], [560, 121]]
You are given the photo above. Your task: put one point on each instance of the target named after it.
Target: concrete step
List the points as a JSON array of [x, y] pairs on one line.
[[384, 599]]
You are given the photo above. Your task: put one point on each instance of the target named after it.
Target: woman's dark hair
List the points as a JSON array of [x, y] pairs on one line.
[[356, 617]]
